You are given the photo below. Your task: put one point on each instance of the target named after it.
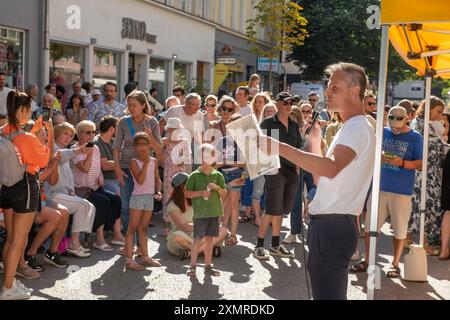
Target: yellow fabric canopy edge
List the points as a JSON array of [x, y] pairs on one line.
[[414, 11]]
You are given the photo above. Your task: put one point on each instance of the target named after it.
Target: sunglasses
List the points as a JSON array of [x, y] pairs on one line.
[[306, 111], [396, 118], [372, 104], [89, 132], [313, 100], [287, 103], [225, 109], [211, 105]]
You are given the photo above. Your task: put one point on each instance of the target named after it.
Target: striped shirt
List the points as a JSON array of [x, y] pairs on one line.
[[91, 178]]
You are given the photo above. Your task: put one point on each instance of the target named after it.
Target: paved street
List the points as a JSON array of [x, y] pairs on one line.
[[102, 276]]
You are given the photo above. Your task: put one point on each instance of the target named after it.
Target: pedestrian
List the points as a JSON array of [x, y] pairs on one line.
[[269, 111], [109, 106], [257, 104], [147, 188], [21, 200], [211, 111], [242, 96], [281, 187], [180, 93], [76, 110], [402, 156], [176, 158], [206, 188], [332, 232], [254, 84]]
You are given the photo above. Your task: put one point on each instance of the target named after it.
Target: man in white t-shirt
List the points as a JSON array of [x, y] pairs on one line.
[[343, 178], [3, 94], [242, 95]]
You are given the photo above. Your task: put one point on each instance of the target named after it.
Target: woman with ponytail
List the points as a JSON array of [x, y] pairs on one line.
[[20, 201]]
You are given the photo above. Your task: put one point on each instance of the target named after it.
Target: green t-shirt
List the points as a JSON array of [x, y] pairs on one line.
[[198, 181]]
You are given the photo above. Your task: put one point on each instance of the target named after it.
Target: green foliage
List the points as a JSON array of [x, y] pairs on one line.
[[338, 32]]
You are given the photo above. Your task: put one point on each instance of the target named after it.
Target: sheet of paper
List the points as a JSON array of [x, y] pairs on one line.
[[245, 132]]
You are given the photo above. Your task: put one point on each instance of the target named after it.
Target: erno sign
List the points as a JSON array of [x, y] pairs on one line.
[[134, 29], [226, 60]]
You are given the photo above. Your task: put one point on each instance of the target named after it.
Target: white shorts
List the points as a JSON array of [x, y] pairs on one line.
[[398, 207]]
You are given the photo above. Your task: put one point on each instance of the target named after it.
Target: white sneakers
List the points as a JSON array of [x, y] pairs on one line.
[[17, 292], [291, 238]]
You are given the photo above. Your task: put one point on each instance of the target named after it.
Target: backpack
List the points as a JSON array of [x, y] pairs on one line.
[[11, 167]]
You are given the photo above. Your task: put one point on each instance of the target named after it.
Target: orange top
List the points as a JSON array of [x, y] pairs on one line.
[[32, 152]]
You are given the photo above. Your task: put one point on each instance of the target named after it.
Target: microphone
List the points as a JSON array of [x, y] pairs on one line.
[[315, 117]]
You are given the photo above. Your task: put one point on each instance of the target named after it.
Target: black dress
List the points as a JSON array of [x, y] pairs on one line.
[[445, 194]]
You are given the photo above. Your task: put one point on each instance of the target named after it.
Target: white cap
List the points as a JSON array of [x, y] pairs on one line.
[[83, 93], [174, 123], [96, 92]]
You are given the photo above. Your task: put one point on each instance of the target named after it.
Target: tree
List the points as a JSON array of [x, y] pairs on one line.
[[338, 32], [283, 24]]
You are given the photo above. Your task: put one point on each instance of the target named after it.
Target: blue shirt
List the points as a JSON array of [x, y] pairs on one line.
[[408, 146]]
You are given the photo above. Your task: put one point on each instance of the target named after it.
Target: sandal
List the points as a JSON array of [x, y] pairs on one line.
[[432, 251], [231, 241], [134, 266], [103, 247], [209, 270], [150, 262], [244, 219], [191, 271], [393, 272], [27, 273], [359, 267]]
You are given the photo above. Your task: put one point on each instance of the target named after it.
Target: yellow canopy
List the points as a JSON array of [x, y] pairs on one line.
[[420, 33]]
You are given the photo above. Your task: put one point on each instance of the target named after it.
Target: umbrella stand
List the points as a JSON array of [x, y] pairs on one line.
[[372, 274]]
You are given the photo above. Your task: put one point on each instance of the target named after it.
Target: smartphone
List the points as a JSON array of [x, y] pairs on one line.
[[90, 144], [314, 119], [45, 115]]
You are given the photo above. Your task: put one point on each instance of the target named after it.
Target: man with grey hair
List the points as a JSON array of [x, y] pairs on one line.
[[189, 114], [333, 234], [46, 107], [169, 103]]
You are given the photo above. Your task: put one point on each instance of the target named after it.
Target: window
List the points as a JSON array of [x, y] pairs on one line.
[[66, 64], [158, 78], [11, 56], [182, 75], [106, 71]]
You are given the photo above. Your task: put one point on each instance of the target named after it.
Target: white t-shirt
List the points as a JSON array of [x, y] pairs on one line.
[[188, 121], [3, 96], [244, 111], [346, 193]]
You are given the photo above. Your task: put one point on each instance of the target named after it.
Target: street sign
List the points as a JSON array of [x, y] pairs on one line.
[[226, 60], [263, 64]]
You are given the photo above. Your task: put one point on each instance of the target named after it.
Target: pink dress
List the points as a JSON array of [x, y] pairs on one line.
[[174, 162]]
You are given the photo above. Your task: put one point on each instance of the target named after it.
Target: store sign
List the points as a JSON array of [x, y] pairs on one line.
[[373, 22], [134, 29], [226, 60], [263, 64], [73, 21]]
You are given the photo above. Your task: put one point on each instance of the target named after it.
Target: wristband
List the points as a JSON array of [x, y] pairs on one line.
[[403, 164]]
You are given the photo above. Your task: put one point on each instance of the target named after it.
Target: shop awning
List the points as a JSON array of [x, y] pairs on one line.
[[420, 32]]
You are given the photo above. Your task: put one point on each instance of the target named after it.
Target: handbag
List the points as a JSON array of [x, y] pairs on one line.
[[83, 192]]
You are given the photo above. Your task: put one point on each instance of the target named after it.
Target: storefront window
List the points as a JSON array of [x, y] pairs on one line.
[[11, 56], [181, 76], [106, 68], [66, 64], [158, 76]]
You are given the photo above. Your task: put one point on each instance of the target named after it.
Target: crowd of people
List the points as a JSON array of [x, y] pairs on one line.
[[94, 165]]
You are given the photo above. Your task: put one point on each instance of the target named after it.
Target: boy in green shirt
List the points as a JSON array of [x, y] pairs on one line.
[[206, 187]]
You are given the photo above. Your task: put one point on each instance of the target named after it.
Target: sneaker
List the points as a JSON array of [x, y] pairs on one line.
[[27, 273], [260, 254], [15, 293], [22, 286], [291, 238], [78, 252], [55, 260], [34, 264], [280, 251]]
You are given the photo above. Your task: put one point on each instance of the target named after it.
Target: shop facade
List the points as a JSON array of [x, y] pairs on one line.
[[21, 40], [128, 40]]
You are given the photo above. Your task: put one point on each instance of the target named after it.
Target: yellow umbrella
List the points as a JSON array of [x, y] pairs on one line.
[[420, 32]]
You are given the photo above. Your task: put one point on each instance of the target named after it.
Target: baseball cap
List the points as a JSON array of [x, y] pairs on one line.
[[397, 116], [96, 92], [283, 96], [179, 178]]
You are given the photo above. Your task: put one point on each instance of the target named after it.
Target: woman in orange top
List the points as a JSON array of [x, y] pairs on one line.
[[20, 202]]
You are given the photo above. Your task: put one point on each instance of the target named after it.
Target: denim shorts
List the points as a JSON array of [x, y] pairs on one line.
[[142, 202], [232, 175]]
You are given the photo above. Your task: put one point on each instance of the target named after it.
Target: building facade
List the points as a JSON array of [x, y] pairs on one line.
[[21, 42]]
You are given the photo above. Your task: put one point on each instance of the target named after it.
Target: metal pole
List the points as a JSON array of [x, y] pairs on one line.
[[426, 126], [377, 167]]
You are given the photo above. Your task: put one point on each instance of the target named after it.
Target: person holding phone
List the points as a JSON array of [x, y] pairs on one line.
[[46, 109]]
